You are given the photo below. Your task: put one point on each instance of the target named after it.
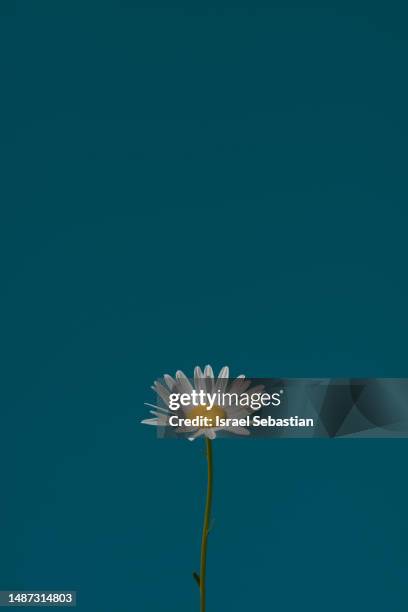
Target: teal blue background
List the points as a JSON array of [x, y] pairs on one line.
[[186, 183]]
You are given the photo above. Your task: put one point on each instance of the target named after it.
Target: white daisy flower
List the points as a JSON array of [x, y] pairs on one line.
[[221, 403], [210, 405]]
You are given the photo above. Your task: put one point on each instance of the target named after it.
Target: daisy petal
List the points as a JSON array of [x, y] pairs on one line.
[[208, 372], [170, 382], [222, 380], [209, 379], [150, 422], [239, 385], [163, 410], [199, 381], [183, 382], [161, 391], [198, 373]]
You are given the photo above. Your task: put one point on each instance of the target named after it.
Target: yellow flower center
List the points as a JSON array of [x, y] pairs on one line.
[[210, 413]]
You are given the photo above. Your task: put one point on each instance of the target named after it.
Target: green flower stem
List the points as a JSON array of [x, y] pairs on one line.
[[206, 525]]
